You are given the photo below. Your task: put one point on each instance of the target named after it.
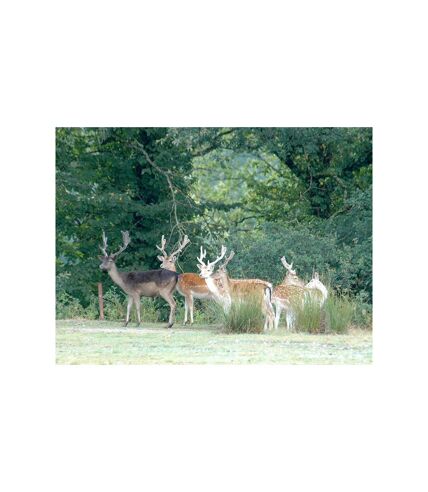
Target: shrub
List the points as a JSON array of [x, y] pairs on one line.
[[68, 307], [244, 316], [115, 303], [363, 312]]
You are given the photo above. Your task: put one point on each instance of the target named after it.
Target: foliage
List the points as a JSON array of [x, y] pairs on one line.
[[104, 181], [244, 316], [266, 192], [68, 307], [345, 267]]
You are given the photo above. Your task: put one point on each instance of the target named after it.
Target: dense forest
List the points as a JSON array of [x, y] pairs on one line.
[[305, 193]]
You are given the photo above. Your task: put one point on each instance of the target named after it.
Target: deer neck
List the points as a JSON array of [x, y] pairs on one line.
[[321, 288], [224, 295], [117, 277]]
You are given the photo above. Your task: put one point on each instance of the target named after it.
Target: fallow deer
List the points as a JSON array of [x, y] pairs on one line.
[[316, 289], [292, 290], [151, 283], [189, 285], [232, 289]]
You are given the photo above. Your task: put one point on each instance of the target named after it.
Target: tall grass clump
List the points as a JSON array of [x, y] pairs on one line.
[[244, 316], [309, 316], [335, 316], [339, 313]]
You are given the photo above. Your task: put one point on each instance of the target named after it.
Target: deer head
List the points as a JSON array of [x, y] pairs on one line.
[[207, 269], [168, 261], [108, 260]]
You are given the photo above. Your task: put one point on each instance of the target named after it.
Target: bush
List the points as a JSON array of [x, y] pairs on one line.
[[67, 307], [363, 313], [115, 302], [244, 316]]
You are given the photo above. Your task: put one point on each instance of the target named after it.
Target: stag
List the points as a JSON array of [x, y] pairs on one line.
[[229, 289], [292, 290], [151, 283], [190, 285]]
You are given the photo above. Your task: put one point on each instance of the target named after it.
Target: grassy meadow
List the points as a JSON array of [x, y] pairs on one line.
[[107, 342]]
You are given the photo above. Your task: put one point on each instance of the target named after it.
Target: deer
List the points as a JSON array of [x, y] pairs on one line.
[[189, 285], [316, 289], [228, 289], [292, 290], [150, 283]]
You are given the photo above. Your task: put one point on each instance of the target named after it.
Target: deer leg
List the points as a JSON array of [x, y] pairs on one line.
[[191, 309], [277, 315], [128, 309], [138, 308], [290, 319], [185, 311], [172, 304]]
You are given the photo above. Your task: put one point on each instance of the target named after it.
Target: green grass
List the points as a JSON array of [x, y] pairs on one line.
[[339, 312], [309, 316], [107, 342], [244, 316]]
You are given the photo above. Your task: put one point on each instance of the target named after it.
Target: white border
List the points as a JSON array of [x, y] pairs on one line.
[[213, 428]]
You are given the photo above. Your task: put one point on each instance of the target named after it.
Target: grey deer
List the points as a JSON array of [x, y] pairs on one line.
[[151, 283]]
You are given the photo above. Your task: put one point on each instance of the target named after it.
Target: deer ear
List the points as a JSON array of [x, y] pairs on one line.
[[100, 257], [161, 258], [173, 258], [199, 266]]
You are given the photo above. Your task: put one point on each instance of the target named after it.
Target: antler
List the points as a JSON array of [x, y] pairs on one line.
[[288, 266], [126, 241], [223, 266], [161, 248], [103, 248], [223, 252], [210, 263], [202, 256], [181, 246]]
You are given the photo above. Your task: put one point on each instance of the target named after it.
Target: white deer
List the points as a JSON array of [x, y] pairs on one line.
[[229, 290]]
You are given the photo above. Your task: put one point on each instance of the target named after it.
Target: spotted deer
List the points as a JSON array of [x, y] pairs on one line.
[[189, 285], [150, 283], [230, 290], [292, 290]]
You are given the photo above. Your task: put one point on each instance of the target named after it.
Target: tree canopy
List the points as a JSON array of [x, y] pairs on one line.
[[305, 193]]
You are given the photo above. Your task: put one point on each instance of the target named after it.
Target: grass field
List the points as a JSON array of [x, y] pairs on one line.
[[105, 342]]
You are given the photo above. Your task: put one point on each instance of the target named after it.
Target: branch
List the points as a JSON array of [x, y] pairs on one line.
[[141, 148], [214, 144]]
